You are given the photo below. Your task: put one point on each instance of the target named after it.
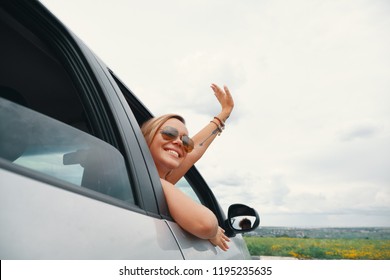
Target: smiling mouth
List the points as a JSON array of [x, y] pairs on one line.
[[174, 153]]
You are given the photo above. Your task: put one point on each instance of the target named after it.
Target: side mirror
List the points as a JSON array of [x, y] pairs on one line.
[[241, 218]]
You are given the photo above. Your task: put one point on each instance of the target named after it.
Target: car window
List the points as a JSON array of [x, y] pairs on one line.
[[48, 146], [185, 187]]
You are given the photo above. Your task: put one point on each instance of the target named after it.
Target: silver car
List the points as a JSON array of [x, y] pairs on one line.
[[77, 180]]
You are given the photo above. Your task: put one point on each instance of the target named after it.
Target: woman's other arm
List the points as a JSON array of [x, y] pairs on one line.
[[194, 217]]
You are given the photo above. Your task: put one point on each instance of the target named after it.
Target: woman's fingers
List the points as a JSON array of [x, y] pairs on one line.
[[223, 240]]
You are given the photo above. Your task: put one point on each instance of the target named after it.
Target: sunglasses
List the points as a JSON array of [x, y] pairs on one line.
[[170, 133]]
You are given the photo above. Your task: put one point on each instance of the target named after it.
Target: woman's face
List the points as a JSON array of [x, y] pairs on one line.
[[168, 154]]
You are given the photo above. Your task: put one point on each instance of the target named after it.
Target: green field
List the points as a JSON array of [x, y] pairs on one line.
[[315, 248]]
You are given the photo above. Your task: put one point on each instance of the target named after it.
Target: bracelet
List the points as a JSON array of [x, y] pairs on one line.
[[220, 121], [219, 128]]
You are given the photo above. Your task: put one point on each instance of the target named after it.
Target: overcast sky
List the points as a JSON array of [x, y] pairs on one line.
[[308, 143]]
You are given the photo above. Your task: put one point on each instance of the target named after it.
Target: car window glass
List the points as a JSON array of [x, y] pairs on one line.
[[185, 187], [40, 143]]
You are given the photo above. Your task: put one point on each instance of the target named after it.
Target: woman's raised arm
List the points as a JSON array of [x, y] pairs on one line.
[[206, 135]]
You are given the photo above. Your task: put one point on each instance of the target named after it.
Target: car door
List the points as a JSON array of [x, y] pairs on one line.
[[72, 184]]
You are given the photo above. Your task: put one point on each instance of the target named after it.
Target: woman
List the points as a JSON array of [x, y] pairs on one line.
[[174, 153]]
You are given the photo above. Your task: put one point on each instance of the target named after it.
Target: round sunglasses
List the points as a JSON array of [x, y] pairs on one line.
[[170, 133]]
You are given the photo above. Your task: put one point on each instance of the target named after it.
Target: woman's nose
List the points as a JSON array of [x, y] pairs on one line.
[[178, 141]]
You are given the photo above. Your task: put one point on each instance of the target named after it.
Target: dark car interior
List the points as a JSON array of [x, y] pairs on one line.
[[46, 87]]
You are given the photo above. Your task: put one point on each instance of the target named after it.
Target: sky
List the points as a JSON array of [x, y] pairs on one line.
[[308, 141]]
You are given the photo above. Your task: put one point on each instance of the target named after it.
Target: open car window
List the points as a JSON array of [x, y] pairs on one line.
[[185, 187]]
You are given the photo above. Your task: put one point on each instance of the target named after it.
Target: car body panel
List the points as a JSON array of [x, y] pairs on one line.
[[52, 223], [195, 249]]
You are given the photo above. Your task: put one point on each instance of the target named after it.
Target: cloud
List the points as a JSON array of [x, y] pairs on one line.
[[359, 131], [197, 71], [353, 162]]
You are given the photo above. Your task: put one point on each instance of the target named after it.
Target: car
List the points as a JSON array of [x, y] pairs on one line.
[[77, 180]]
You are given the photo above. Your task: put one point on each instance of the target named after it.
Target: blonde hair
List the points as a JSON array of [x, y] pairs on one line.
[[150, 128]]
